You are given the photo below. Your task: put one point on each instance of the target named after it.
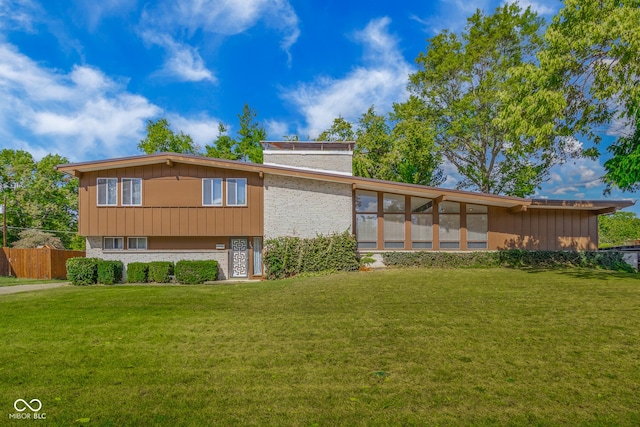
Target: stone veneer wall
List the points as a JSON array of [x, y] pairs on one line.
[[301, 207], [94, 250], [331, 161]]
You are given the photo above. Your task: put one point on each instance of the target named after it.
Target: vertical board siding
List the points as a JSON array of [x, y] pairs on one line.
[[171, 204], [42, 263]]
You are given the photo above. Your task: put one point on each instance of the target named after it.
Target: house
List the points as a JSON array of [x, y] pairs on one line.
[[172, 206]]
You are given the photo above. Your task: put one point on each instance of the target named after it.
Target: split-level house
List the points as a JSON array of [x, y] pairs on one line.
[[169, 207]]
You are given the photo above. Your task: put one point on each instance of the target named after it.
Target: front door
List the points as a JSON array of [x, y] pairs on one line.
[[239, 258]]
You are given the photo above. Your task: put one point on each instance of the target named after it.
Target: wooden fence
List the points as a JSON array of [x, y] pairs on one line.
[[41, 263]]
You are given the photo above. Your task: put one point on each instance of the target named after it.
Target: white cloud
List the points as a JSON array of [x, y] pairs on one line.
[[277, 130], [540, 7], [182, 61], [95, 11], [19, 14], [380, 81], [202, 129], [574, 179]]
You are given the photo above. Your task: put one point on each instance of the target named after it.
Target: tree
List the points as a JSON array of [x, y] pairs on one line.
[[458, 95], [37, 239], [618, 229], [247, 147], [160, 138], [340, 130], [588, 77]]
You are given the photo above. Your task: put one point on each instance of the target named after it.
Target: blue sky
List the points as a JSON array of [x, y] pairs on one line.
[[81, 77]]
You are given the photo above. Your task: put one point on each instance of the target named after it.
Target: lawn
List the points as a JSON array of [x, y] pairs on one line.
[[395, 347], [13, 281]]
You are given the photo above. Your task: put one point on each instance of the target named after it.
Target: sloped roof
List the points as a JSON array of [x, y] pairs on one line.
[[516, 203]]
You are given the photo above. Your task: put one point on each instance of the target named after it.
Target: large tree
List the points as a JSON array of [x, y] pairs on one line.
[[247, 146], [161, 138], [459, 95]]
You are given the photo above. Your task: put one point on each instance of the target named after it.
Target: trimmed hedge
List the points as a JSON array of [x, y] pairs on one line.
[[109, 272], [137, 272], [508, 258], [160, 271], [288, 256], [194, 272], [82, 271]]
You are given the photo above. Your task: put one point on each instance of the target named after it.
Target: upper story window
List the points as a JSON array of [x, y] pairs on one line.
[[236, 191], [107, 191], [212, 191], [132, 191]]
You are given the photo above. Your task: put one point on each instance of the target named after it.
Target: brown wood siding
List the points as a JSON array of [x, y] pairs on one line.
[[543, 229], [171, 204]]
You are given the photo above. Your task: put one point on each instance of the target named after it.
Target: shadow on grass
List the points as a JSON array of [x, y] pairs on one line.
[[582, 273]]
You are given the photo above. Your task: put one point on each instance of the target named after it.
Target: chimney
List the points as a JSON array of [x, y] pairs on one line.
[[333, 157]]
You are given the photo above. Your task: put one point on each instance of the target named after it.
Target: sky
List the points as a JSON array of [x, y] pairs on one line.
[[81, 78]]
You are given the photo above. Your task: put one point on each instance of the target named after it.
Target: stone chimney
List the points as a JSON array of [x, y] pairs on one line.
[[333, 157]]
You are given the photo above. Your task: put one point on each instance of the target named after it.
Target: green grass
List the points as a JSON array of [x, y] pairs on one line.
[[412, 347], [13, 281]]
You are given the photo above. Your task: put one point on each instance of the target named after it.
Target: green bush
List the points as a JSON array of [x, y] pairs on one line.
[[193, 272], [288, 256], [137, 272], [160, 271], [608, 260], [109, 272], [82, 271]]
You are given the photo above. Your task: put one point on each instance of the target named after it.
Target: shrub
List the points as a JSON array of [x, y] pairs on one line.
[[288, 256], [137, 272], [193, 272], [160, 271], [441, 259], [82, 271], [109, 272]]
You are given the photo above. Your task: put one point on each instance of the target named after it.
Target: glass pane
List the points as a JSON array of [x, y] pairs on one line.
[[477, 227], [474, 209], [449, 227], [112, 191], [102, 191], [231, 192], [394, 245], [421, 227], [366, 201], [418, 204], [119, 243], [126, 191], [132, 243], [476, 245], [217, 191], [142, 243], [394, 227], [393, 202], [108, 243], [206, 191], [241, 191], [257, 256], [137, 192], [367, 245], [449, 245], [367, 227], [421, 245], [449, 207]]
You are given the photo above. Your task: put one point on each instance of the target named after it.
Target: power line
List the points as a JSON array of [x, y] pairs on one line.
[[42, 229]]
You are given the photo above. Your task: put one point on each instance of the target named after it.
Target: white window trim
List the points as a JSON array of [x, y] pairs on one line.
[[122, 192], [98, 195], [246, 192], [221, 190], [112, 249], [146, 244]]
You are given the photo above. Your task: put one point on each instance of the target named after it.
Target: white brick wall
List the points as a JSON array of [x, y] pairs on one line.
[[94, 250], [302, 207], [331, 161]]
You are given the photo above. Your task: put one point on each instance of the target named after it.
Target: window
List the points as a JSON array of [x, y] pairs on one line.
[[107, 191], [137, 243], [212, 192], [477, 227], [367, 219], [449, 225], [132, 191], [236, 191], [113, 243], [421, 223], [393, 221]]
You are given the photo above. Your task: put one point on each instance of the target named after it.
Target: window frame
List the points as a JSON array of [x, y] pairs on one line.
[[114, 238], [107, 189], [137, 238], [246, 191], [213, 180], [122, 202]]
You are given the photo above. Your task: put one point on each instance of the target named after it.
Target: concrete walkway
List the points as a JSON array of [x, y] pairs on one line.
[[6, 290]]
